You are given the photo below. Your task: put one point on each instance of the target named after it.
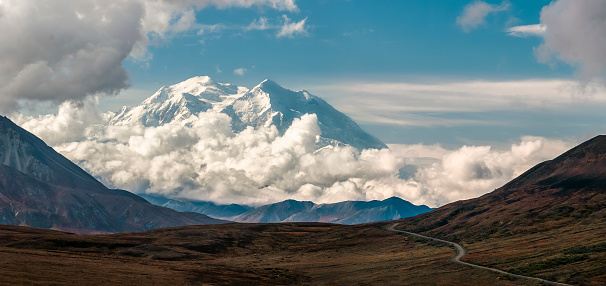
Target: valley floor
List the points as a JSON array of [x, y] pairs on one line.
[[233, 254]]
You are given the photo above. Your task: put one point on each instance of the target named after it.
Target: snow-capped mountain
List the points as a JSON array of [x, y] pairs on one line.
[[180, 101], [264, 105]]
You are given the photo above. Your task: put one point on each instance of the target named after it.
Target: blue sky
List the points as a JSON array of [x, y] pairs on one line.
[[350, 39], [366, 41], [394, 66]]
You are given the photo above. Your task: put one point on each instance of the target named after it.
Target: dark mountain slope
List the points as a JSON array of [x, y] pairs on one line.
[[550, 222], [570, 189], [26, 153], [41, 188]]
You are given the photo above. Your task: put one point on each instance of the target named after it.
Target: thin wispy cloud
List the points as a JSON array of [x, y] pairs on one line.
[[442, 103], [291, 29], [536, 30], [240, 71], [474, 14], [258, 24]]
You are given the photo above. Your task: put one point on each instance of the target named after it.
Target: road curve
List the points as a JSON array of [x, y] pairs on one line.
[[462, 252]]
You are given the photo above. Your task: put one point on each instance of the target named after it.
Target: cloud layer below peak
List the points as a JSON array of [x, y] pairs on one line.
[[202, 158]]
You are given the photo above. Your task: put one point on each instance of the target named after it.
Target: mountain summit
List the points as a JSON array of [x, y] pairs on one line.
[[266, 104]]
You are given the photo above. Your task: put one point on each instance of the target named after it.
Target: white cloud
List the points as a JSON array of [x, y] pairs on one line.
[[184, 22], [527, 30], [258, 24], [202, 158], [240, 71], [575, 34], [472, 171], [474, 14], [214, 28], [291, 29], [68, 50], [163, 15], [72, 122], [65, 50], [414, 104]]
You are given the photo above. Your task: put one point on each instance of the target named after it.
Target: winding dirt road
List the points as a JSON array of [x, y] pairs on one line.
[[462, 252]]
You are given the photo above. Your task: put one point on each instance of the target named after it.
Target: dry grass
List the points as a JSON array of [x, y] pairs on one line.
[[234, 254], [575, 254]]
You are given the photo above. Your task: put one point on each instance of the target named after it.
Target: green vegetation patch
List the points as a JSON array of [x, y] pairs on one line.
[[589, 249]]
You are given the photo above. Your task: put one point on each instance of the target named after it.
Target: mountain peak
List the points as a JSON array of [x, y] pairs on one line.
[[197, 80], [266, 104], [271, 87]]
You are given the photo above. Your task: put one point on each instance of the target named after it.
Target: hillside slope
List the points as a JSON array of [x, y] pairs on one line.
[[569, 188], [549, 222], [41, 188]]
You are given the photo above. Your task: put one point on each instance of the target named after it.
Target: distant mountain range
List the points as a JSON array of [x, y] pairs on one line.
[[41, 188], [348, 212], [266, 104]]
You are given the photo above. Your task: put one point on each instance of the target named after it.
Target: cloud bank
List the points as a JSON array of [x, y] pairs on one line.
[[202, 158], [67, 50], [575, 34]]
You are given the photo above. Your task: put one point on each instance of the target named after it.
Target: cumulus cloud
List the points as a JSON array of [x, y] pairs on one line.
[[291, 29], [575, 34], [73, 122], [240, 71], [472, 171], [202, 158], [65, 50], [527, 30], [68, 50], [474, 14]]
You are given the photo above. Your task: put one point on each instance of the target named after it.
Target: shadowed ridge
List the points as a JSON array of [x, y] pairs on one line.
[[41, 188], [568, 189], [583, 165], [27, 153], [549, 222]]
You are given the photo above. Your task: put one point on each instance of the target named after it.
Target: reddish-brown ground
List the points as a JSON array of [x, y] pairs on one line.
[[232, 254]]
